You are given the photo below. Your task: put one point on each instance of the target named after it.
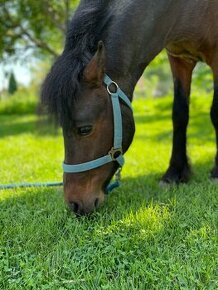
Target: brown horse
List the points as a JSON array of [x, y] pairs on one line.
[[119, 39]]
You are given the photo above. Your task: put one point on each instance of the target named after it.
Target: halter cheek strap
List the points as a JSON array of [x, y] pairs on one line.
[[116, 152]]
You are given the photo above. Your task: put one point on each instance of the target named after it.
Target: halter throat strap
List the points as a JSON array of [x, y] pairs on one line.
[[116, 152]]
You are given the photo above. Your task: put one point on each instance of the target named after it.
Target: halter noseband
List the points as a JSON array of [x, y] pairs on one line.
[[116, 152]]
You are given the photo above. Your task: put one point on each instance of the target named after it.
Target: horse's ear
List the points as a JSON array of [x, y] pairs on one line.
[[94, 71]]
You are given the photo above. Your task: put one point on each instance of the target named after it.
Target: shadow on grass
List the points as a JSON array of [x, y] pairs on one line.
[[140, 224], [37, 127], [134, 193], [139, 221], [143, 119], [200, 127]]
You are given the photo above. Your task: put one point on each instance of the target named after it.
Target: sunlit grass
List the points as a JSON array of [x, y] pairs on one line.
[[29, 152], [145, 236]]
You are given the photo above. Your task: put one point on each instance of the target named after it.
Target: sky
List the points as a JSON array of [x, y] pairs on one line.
[[22, 74]]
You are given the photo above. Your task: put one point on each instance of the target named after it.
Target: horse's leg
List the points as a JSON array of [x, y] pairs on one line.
[[214, 115], [179, 169]]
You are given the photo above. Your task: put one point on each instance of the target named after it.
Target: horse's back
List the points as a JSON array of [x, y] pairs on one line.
[[195, 33]]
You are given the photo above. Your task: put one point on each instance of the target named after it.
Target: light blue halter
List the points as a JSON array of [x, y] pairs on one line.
[[116, 152]]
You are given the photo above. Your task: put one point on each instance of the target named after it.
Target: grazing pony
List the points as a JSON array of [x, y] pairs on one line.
[[108, 45]]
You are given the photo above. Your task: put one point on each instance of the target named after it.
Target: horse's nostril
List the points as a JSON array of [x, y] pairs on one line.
[[96, 202], [74, 206], [82, 207]]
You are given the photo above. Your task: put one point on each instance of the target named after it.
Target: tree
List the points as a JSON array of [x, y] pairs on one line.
[[12, 85], [36, 26]]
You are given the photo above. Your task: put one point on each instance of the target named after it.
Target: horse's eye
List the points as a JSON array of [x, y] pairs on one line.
[[84, 131]]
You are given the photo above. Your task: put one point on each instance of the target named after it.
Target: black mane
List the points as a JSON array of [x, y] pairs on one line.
[[61, 85]]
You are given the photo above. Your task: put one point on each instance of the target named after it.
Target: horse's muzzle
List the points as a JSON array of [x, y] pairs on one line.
[[83, 207]]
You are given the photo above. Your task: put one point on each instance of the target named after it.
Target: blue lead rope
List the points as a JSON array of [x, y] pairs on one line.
[[109, 189], [29, 184], [112, 186]]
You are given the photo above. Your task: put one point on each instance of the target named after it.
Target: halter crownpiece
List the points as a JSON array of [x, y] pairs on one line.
[[116, 152]]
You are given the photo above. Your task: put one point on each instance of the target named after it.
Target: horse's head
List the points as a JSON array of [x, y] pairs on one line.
[[91, 136]]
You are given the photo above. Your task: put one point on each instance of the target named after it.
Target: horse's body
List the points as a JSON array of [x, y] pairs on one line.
[[133, 33]]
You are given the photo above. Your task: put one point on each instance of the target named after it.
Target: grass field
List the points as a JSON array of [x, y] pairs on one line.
[[145, 236]]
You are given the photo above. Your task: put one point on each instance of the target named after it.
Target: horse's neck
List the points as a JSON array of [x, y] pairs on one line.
[[136, 36]]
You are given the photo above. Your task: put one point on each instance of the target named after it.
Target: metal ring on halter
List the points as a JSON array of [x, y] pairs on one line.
[[114, 153], [116, 86]]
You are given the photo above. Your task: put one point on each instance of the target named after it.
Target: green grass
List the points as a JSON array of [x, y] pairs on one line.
[[145, 236], [22, 102]]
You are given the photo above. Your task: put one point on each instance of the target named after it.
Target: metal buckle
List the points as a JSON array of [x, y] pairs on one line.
[[114, 153], [108, 88]]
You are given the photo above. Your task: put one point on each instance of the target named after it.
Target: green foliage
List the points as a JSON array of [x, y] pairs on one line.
[[157, 78], [37, 26], [12, 85], [158, 75], [145, 237], [203, 77]]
